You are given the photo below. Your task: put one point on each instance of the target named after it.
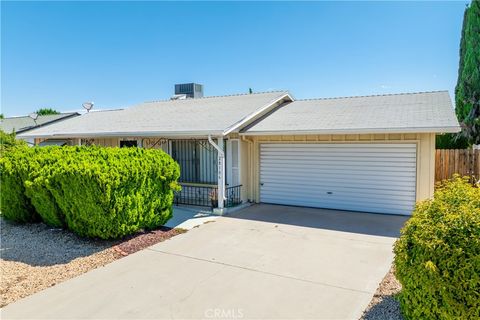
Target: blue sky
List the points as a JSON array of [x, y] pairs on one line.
[[60, 54]]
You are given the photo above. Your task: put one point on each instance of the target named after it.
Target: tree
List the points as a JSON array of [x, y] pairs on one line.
[[46, 111], [467, 91], [2, 116]]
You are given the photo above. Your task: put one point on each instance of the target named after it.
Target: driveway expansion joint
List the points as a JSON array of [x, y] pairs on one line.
[[261, 271]]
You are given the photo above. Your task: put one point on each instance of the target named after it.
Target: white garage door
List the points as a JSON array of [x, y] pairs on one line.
[[360, 177]]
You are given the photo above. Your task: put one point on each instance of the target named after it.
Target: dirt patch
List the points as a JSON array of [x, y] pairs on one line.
[[384, 305], [35, 256]]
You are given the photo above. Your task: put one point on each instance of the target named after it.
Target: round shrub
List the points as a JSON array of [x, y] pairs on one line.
[[437, 257], [95, 191]]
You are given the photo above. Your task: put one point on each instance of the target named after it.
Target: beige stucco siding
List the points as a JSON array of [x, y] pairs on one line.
[[425, 156]]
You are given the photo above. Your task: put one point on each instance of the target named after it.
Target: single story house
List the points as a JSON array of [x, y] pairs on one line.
[[25, 123], [365, 153]]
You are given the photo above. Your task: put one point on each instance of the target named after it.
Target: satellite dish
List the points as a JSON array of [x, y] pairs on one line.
[[33, 115], [87, 105]]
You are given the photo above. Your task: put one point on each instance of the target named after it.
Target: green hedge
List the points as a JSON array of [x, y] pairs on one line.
[[437, 257], [94, 191], [15, 168]]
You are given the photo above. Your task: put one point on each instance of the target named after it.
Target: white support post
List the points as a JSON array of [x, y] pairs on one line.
[[221, 174], [221, 171]]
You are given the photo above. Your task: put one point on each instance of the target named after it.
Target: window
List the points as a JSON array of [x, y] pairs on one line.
[[197, 160], [128, 143]]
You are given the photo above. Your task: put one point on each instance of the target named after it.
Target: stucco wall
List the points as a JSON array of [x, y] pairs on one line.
[[425, 156]]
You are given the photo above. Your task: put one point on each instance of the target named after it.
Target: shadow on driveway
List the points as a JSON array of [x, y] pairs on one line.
[[336, 220]]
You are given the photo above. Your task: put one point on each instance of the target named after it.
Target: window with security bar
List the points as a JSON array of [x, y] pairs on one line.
[[197, 160]]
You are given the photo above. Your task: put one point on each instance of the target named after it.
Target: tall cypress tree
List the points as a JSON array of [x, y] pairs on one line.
[[467, 91]]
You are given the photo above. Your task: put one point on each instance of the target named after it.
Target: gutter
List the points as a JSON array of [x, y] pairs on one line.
[[451, 129], [146, 134]]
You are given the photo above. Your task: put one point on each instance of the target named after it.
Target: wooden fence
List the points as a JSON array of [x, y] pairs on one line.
[[461, 161]]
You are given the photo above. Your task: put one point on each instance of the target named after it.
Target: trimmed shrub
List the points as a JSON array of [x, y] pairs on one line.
[[437, 257], [14, 171], [8, 140], [43, 163], [102, 192]]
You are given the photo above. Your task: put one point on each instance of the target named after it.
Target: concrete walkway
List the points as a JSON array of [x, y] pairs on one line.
[[264, 262], [186, 217]]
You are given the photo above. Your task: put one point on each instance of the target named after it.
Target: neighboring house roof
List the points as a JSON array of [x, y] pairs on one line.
[[200, 116], [25, 123], [393, 113]]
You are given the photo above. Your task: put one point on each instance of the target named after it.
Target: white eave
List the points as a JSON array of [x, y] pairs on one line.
[[453, 129], [261, 111], [125, 134]]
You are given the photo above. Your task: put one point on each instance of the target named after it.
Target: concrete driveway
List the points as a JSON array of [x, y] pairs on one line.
[[264, 262]]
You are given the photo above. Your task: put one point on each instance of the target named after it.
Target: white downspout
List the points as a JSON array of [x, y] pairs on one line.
[[221, 170]]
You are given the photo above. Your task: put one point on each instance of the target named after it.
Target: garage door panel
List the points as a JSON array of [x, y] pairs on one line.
[[320, 191], [362, 177], [369, 175], [345, 206], [340, 147], [340, 196], [352, 179], [335, 166], [364, 189]]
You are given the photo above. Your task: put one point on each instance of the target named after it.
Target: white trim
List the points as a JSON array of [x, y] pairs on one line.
[[145, 134], [255, 114], [353, 131]]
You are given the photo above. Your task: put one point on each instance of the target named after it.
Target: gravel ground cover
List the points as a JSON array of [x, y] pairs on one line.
[[35, 256], [384, 305]]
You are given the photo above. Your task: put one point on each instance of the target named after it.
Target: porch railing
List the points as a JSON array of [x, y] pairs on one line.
[[233, 195], [206, 196]]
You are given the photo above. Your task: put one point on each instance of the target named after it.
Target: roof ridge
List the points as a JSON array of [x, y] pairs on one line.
[[40, 115], [373, 95], [221, 96], [106, 110]]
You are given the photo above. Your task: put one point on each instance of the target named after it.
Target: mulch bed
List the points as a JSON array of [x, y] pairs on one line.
[[143, 240]]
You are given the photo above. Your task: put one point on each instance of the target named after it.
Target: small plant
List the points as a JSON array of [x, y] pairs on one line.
[[214, 198], [437, 257]]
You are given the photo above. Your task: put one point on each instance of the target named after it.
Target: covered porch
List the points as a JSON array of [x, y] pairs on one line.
[[209, 167]]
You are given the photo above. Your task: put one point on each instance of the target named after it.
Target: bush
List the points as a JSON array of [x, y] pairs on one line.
[[101, 192], [437, 257], [8, 140], [15, 168]]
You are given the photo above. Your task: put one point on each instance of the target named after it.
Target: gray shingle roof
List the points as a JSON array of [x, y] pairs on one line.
[[209, 115], [395, 113], [22, 124]]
